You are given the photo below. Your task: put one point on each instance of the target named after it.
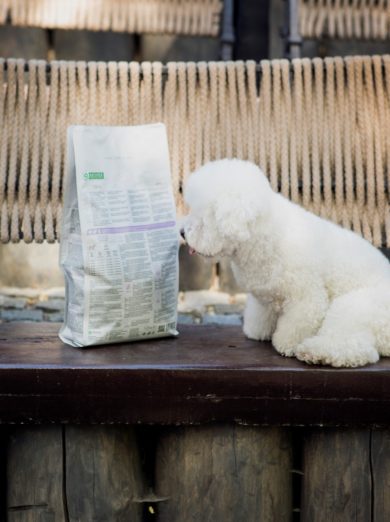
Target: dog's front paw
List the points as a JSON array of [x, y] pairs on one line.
[[254, 332], [284, 344], [259, 320], [348, 352], [251, 333], [259, 330]]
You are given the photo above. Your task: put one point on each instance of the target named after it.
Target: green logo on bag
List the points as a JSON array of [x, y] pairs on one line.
[[94, 175]]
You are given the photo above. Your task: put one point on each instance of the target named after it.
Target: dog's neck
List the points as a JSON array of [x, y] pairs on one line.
[[253, 263]]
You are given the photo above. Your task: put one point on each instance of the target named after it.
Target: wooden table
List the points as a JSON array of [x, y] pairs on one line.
[[256, 427], [208, 373]]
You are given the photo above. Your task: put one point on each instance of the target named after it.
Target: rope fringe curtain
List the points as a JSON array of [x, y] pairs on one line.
[[197, 17], [320, 130], [365, 19]]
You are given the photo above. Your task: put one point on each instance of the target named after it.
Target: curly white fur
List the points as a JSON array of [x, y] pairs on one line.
[[320, 292]]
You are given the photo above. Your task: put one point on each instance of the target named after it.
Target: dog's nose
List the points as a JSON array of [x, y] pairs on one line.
[[183, 234]]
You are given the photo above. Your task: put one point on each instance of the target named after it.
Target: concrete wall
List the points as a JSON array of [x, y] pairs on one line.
[[34, 266]]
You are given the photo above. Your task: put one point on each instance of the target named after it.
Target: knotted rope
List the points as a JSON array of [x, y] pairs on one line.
[[196, 17], [363, 19], [320, 129]]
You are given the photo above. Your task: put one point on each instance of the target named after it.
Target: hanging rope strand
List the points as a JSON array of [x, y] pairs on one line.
[[199, 17], [319, 129], [366, 19]]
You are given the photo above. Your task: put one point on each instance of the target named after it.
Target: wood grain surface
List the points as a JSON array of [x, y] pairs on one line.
[[208, 373], [103, 474], [224, 473], [337, 482], [380, 469], [35, 475]]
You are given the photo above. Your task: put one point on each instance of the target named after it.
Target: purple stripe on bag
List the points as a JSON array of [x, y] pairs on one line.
[[130, 228]]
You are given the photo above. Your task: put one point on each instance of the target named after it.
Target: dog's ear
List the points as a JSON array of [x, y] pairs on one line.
[[234, 214]]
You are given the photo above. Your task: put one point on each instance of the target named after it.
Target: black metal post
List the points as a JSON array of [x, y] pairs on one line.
[[227, 30], [292, 35]]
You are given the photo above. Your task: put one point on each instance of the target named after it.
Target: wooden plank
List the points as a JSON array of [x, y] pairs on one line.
[[207, 373], [35, 475], [336, 480], [227, 473], [380, 463], [4, 433], [103, 474]]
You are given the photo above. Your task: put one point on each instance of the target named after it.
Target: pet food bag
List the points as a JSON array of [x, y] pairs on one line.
[[119, 242]]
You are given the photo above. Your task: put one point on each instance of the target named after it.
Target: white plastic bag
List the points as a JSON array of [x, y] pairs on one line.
[[119, 242]]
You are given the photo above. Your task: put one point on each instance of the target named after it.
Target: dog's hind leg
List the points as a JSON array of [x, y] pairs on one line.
[[378, 317], [348, 350], [259, 320], [354, 330]]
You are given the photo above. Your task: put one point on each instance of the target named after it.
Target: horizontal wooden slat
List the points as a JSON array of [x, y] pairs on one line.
[[208, 373]]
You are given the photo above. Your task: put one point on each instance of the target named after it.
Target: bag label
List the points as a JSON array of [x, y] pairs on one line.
[[94, 175], [119, 243]]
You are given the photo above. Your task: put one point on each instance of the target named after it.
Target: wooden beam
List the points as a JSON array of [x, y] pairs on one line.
[[208, 373], [224, 473], [336, 476], [380, 469], [103, 474], [35, 475]]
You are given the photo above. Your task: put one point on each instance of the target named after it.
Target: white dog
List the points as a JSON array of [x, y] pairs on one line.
[[320, 292]]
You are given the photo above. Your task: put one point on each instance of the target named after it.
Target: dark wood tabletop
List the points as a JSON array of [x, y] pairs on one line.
[[208, 373]]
